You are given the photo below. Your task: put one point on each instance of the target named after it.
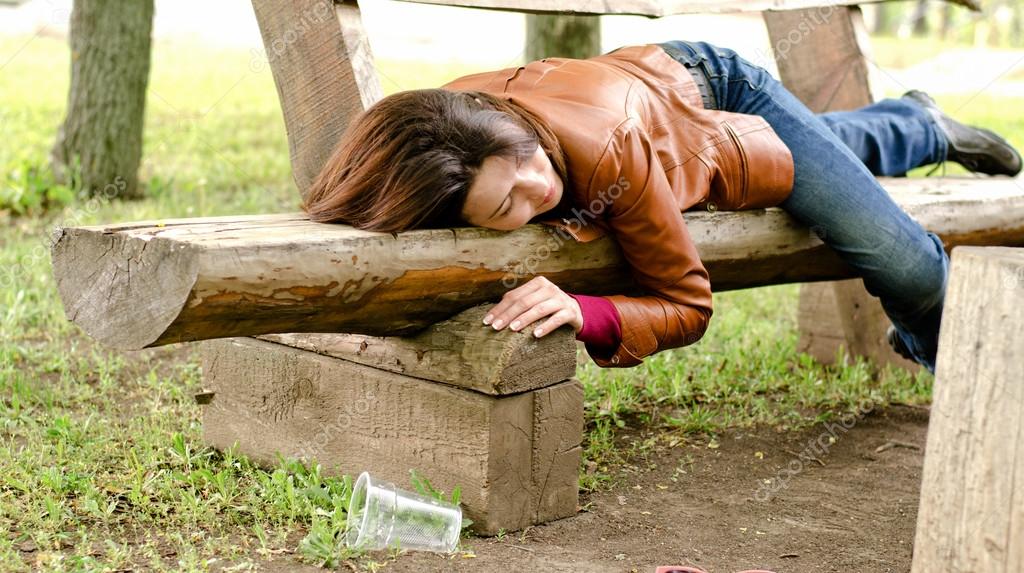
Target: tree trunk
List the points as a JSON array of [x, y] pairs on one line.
[[552, 35], [1001, 31], [99, 145], [920, 18], [1017, 25], [887, 18], [947, 21]]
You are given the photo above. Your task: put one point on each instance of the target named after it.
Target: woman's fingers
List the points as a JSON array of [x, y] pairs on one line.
[[539, 308], [515, 302], [533, 301], [563, 316]]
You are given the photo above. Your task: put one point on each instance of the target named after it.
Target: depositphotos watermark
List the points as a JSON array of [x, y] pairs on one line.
[[528, 266], [810, 20], [11, 274], [307, 20], [343, 421], [813, 451], [1013, 278]]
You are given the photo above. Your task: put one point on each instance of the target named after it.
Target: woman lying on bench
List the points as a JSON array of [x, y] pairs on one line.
[[624, 143]]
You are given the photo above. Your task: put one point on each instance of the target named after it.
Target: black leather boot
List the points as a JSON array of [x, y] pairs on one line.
[[976, 148]]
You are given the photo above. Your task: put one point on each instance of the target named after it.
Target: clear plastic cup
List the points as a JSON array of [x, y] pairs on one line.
[[382, 516]]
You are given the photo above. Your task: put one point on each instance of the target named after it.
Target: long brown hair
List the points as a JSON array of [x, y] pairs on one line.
[[408, 161]]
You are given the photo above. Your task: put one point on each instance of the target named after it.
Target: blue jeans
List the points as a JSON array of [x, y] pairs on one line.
[[836, 156]]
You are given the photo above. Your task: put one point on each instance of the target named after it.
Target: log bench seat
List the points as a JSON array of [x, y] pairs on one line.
[[366, 351], [149, 283]]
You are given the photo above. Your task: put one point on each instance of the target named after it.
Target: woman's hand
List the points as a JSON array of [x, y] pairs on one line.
[[532, 301]]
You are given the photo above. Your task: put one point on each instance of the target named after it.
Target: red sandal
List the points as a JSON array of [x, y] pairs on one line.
[[686, 569]]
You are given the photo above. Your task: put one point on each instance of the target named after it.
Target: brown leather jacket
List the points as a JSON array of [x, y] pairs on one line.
[[641, 149]]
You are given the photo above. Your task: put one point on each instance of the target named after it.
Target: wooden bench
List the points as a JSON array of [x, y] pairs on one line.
[[971, 515], [415, 381]]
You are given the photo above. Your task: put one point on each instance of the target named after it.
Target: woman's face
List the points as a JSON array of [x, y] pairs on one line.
[[505, 196]]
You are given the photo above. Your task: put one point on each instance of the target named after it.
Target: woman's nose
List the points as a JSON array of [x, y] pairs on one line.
[[539, 185], [535, 186]]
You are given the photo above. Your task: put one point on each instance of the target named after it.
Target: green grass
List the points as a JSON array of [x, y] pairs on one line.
[[102, 464]]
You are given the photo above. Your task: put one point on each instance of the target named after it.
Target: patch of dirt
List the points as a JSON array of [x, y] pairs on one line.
[[852, 510], [838, 498]]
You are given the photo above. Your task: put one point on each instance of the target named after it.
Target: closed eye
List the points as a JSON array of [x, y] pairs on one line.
[[519, 163]]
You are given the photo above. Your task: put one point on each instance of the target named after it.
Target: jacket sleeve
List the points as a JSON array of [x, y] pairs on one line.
[[645, 219], [601, 332]]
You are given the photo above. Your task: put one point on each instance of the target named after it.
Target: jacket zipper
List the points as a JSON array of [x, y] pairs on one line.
[[565, 226]]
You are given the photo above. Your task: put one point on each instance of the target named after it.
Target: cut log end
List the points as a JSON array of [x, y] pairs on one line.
[[120, 290]]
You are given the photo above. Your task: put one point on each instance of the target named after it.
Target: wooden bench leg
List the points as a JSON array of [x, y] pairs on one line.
[[324, 71], [842, 313], [971, 516], [515, 456]]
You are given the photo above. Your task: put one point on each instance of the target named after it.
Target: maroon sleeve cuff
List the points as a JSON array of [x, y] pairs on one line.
[[601, 331]]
